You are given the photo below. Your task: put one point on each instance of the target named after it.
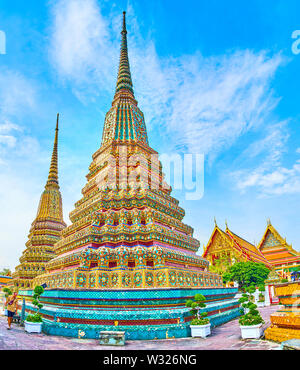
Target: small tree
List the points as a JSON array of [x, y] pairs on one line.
[[38, 291], [252, 316], [195, 308], [246, 274], [7, 292]]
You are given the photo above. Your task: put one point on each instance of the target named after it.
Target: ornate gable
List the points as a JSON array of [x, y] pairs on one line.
[[270, 241]]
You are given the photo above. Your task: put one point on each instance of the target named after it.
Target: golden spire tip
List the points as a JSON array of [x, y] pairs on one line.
[[57, 121]]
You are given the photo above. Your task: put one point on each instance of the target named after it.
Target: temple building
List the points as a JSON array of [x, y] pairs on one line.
[[45, 229], [127, 262], [226, 248], [278, 252]]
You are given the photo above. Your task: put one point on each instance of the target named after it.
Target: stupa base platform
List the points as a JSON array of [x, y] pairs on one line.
[[279, 334], [143, 314], [285, 323]]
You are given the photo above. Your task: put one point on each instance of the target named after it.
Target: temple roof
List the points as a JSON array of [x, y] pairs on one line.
[[275, 248], [241, 245]]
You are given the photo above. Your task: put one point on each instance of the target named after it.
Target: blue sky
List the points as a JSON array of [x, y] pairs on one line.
[[214, 77]]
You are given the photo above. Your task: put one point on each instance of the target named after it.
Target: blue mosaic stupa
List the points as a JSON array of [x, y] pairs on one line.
[[127, 262]]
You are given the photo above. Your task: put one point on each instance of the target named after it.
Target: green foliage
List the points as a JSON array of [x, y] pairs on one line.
[[200, 321], [250, 289], [252, 317], [34, 318], [7, 292], [188, 303], [38, 291], [249, 320], [284, 280], [247, 274], [195, 307], [200, 298], [243, 300], [262, 288]]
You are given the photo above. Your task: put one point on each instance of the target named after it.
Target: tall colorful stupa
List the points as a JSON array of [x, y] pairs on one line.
[[45, 229], [127, 262]]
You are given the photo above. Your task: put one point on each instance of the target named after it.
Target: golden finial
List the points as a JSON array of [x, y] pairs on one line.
[[226, 224], [215, 221], [124, 22], [124, 81], [268, 221], [53, 172]]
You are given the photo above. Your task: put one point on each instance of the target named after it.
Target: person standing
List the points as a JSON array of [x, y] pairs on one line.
[[12, 306]]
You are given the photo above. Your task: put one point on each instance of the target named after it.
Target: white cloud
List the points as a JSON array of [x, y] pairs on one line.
[[19, 152], [17, 99], [15, 88], [81, 49], [270, 179], [278, 182]]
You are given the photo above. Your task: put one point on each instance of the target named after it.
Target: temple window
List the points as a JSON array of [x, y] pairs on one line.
[[112, 264]]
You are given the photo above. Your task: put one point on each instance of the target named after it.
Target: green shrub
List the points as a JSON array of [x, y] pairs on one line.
[[34, 318], [203, 321], [253, 317], [188, 303], [195, 306], [38, 290], [251, 289], [7, 292], [249, 320]]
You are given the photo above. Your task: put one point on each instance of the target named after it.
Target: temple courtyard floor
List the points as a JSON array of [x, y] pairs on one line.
[[225, 337]]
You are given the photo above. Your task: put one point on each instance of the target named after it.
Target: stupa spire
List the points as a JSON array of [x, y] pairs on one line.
[[124, 122], [124, 81], [53, 172]]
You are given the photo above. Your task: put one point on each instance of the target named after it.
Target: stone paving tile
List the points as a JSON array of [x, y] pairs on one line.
[[223, 337]]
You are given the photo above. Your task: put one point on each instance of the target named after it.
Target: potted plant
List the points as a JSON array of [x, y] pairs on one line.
[[200, 325], [33, 323], [251, 322], [7, 292]]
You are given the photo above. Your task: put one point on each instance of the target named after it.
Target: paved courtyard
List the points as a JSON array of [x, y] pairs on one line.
[[225, 337]]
